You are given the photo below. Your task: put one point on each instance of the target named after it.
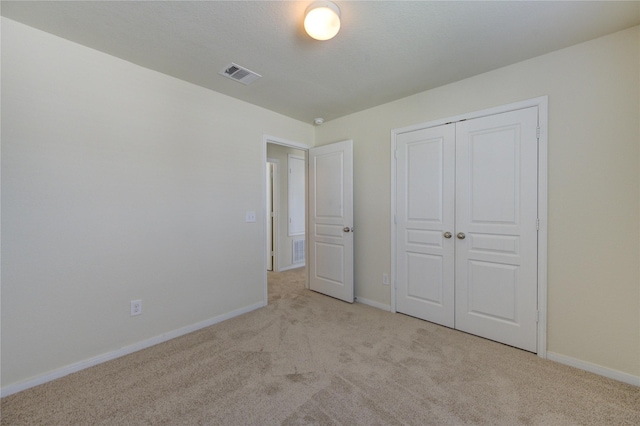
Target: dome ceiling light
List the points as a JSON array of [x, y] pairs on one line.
[[322, 20]]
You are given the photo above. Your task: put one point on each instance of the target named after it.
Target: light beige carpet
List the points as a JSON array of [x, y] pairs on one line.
[[310, 359]]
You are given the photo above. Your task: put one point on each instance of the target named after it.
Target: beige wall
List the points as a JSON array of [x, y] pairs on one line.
[[593, 250], [285, 242], [121, 183]]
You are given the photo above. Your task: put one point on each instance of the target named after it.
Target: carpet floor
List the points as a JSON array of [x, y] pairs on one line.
[[310, 359]]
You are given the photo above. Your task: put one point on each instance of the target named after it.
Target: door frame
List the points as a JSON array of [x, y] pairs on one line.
[[268, 139], [542, 104], [275, 241]]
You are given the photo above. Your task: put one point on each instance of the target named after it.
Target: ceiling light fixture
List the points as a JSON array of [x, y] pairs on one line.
[[322, 20]]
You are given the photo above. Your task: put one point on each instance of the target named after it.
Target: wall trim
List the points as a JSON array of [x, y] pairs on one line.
[[594, 368], [143, 344], [374, 304]]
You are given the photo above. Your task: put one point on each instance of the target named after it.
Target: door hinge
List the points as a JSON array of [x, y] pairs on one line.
[[538, 132], [537, 224]]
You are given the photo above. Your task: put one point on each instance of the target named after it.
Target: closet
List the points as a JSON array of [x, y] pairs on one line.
[[466, 225]]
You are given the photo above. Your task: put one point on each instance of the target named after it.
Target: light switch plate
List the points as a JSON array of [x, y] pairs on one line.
[[250, 217]]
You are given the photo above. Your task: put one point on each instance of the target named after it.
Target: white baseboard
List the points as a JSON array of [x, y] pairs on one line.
[[78, 366], [594, 368], [294, 266], [374, 304]]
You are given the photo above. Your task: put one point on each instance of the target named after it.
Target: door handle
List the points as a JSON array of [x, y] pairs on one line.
[[460, 235], [346, 229], [447, 234]]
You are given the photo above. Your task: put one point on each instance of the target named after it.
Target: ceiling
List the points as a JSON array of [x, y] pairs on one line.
[[385, 50]]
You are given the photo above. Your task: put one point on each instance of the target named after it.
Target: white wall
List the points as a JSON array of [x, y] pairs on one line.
[[285, 242], [120, 183], [593, 277]]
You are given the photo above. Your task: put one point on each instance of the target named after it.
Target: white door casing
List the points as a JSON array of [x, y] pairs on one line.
[[425, 213], [496, 208], [269, 216], [331, 220]]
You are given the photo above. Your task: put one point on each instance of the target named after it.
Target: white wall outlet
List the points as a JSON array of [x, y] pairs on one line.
[[385, 279], [136, 307], [250, 217]]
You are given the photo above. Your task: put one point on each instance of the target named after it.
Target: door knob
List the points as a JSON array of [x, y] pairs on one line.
[[447, 234], [346, 229], [460, 235]]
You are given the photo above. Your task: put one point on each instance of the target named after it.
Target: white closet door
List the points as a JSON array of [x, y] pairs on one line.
[[478, 180], [424, 213], [496, 210]]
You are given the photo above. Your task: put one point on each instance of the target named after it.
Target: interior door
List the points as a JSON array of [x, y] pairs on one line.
[[425, 170], [331, 220], [496, 227]]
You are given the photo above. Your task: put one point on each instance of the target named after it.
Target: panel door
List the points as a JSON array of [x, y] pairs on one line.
[[424, 215], [331, 220], [496, 210]]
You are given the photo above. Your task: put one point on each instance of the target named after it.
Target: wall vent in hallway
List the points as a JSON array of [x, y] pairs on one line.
[[298, 251]]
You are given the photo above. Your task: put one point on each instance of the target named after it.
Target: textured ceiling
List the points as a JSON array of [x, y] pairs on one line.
[[384, 51]]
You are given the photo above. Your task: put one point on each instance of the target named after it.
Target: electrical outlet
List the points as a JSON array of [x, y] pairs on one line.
[[136, 307], [385, 279]]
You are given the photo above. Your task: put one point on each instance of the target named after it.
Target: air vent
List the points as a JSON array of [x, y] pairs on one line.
[[239, 74], [298, 251]]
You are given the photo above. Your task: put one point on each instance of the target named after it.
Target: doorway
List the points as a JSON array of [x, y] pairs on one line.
[[328, 193], [285, 204]]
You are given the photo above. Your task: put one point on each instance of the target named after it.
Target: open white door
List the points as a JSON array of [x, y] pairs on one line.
[[331, 220]]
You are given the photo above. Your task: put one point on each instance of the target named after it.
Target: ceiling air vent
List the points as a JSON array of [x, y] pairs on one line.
[[240, 74]]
